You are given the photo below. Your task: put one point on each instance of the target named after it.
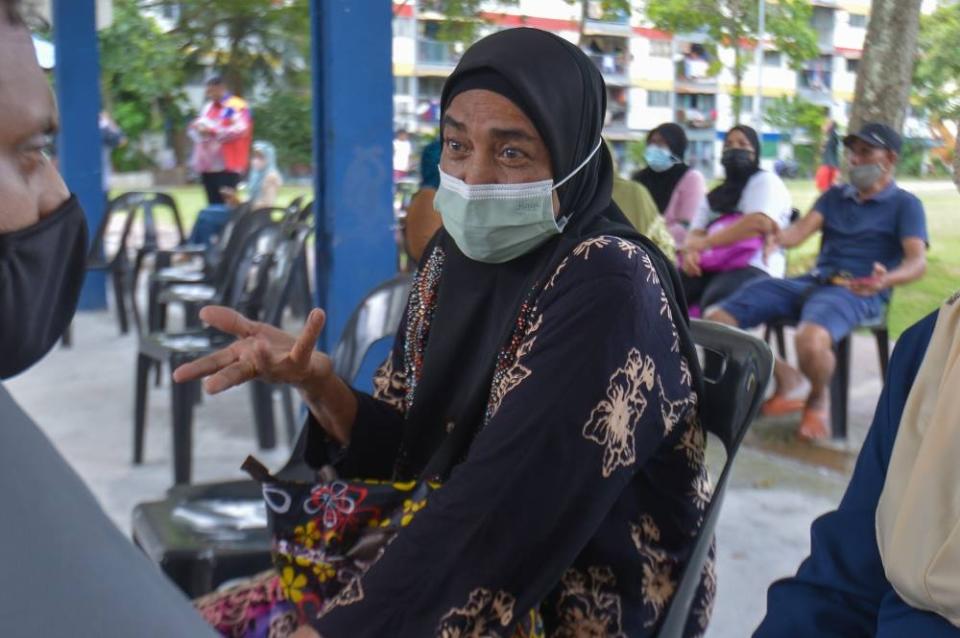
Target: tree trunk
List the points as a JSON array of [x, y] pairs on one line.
[[886, 69], [956, 158], [584, 12], [737, 85]]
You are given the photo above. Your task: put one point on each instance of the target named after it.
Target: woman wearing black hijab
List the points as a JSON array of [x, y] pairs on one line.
[[726, 245], [676, 188], [544, 353]]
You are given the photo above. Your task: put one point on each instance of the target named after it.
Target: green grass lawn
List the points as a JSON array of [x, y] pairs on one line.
[[914, 301]]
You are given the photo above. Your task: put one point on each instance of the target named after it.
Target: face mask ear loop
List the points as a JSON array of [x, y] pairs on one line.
[[582, 164]]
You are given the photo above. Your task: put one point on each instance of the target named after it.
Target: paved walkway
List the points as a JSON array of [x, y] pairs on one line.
[[83, 399]]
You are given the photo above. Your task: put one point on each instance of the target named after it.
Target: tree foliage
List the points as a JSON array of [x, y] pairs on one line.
[[141, 73], [247, 41], [936, 76], [285, 119], [794, 114], [462, 18], [735, 24]]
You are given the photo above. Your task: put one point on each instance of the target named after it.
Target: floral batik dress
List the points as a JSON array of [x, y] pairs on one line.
[[579, 500]]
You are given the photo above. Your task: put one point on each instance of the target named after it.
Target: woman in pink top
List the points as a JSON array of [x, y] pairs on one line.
[[676, 188]]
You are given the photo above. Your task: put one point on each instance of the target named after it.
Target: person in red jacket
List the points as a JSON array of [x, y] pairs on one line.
[[222, 135]]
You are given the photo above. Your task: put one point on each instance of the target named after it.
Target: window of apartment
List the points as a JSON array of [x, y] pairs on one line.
[[746, 103], [858, 20], [853, 65], [403, 28], [772, 59], [661, 48], [402, 85], [658, 98]]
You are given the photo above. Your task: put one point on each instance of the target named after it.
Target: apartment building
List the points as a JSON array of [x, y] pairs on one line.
[[651, 76]]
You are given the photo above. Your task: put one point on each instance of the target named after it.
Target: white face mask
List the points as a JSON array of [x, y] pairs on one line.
[[494, 223]]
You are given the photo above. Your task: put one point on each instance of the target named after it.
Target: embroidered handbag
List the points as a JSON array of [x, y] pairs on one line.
[[732, 256], [327, 534]]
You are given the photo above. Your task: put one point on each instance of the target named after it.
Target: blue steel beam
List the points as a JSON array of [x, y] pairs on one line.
[[352, 148], [78, 95]]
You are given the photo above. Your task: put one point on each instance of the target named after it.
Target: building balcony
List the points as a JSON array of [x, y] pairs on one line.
[[613, 67], [434, 53], [696, 118], [815, 85], [692, 77]]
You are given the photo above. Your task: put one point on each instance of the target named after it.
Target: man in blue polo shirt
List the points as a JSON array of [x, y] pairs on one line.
[[874, 238]]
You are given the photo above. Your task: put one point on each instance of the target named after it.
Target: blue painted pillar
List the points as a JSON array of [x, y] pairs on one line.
[[78, 96], [353, 153]]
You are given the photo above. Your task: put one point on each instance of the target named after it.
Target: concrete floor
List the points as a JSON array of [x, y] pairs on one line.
[[83, 399]]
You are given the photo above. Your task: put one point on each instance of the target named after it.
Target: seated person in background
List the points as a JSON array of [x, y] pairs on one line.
[[885, 562], [725, 247], [638, 207], [676, 188], [263, 186], [422, 220], [874, 238]]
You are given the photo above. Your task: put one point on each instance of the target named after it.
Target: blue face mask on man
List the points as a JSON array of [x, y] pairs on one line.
[[494, 223]]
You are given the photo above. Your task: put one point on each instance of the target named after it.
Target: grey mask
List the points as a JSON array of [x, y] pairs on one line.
[[864, 176]]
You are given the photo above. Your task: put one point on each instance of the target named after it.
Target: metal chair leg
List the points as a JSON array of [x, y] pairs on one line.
[[182, 403], [883, 349], [261, 394], [289, 413], [840, 389], [144, 364], [120, 297]]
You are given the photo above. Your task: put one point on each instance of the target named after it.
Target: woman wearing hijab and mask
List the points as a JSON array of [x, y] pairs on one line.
[[543, 342], [677, 189], [263, 186], [726, 245]]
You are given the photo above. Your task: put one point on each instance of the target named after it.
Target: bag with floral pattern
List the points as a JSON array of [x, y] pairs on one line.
[[327, 534]]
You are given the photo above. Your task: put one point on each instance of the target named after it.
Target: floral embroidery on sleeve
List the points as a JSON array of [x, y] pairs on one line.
[[613, 421], [589, 604], [484, 615], [516, 373], [583, 250]]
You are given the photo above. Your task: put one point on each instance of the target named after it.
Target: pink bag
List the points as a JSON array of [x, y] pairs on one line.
[[732, 256]]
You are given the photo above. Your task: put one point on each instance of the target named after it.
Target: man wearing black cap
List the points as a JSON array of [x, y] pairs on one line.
[[874, 238]]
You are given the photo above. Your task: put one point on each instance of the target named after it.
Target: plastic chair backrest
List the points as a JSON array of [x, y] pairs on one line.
[[736, 369], [238, 248], [138, 206], [242, 284], [377, 317], [274, 287]]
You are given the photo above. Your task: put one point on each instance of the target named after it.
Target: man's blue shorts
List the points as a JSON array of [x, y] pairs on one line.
[[802, 299]]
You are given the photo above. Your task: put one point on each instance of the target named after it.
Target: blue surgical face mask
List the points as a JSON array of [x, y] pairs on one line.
[[658, 158], [494, 223]]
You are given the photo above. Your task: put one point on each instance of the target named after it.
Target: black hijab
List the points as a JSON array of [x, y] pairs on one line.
[[561, 91], [661, 185], [725, 198]]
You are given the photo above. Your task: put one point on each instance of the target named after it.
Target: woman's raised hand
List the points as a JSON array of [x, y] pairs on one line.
[[261, 351]]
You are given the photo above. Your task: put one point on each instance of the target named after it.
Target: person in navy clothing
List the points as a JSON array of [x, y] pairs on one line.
[[874, 238], [842, 588]]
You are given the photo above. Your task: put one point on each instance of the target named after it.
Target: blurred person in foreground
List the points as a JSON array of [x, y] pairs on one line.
[[886, 562], [69, 570]]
